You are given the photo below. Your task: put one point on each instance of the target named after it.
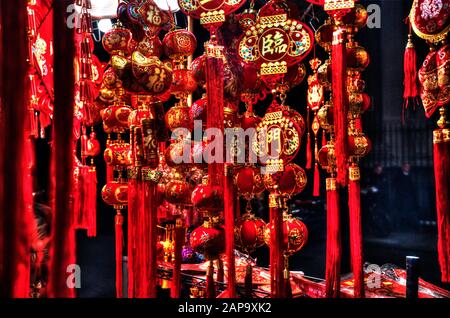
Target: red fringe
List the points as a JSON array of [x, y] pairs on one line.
[[333, 257], [85, 201], [340, 103], [119, 249], [442, 180], [214, 111], [179, 235], [324, 138], [229, 207], [62, 249], [132, 215], [356, 250], [316, 190], [308, 152], [210, 286], [276, 252], [410, 83], [153, 231]]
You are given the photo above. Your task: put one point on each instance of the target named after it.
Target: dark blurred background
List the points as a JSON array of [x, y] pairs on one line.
[[398, 207]]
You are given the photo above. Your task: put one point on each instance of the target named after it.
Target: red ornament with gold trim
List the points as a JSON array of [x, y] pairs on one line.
[[207, 198], [291, 181], [179, 43], [115, 193], [249, 232], [249, 181], [117, 40], [208, 239], [295, 234], [178, 192], [179, 117], [183, 83], [117, 154]]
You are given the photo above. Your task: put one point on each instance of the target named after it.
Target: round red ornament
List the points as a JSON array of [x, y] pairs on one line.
[[179, 44], [295, 234], [115, 193], [179, 117], [177, 192], [249, 232], [208, 239], [183, 83], [207, 198], [291, 181], [248, 181]]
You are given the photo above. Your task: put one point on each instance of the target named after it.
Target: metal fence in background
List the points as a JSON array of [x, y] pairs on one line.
[[395, 143]]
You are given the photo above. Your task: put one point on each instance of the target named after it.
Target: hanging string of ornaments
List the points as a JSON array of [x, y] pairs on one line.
[[430, 21], [146, 178], [250, 57]]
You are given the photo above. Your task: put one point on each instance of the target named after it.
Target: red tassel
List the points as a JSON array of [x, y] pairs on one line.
[[142, 248], [214, 111], [308, 143], [308, 152], [148, 249], [229, 201], [316, 190], [179, 235], [356, 250], [276, 245], [90, 208], [119, 248], [410, 83], [210, 286], [287, 278], [441, 147], [248, 281], [132, 221], [340, 103], [333, 257], [62, 250]]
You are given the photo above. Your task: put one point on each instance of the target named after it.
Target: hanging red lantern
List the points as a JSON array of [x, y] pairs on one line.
[[117, 40], [179, 117], [117, 154], [115, 193], [208, 239], [207, 198], [116, 117], [178, 154], [326, 156], [291, 181], [295, 234], [179, 44], [248, 181], [359, 144], [183, 83], [178, 192], [249, 232]]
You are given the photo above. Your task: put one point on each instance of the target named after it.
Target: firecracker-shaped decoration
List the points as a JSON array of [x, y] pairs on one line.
[[430, 20]]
